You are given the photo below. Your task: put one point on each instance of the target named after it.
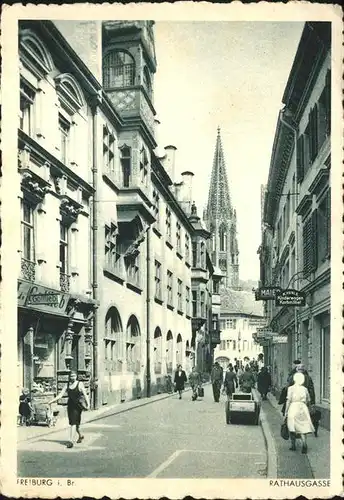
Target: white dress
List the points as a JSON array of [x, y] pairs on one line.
[[298, 418]]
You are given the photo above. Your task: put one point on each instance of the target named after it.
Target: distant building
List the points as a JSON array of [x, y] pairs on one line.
[[241, 315], [296, 241]]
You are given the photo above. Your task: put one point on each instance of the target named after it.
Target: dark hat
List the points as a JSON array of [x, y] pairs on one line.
[[297, 362]]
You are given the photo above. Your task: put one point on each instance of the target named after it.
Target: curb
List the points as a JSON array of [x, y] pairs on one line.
[[269, 442], [105, 414]]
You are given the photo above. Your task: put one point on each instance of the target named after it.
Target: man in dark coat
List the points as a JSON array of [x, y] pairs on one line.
[[216, 380], [179, 380], [264, 382], [247, 380], [231, 382]]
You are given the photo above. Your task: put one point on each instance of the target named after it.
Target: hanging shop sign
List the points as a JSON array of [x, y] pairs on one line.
[[267, 292], [264, 333], [290, 297], [280, 339], [41, 298]]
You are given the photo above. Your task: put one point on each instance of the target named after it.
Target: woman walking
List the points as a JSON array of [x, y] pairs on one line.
[[179, 380], [231, 382], [77, 402], [297, 412], [195, 382]]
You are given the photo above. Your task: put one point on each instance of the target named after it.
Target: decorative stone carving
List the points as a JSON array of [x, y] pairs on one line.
[[34, 184]]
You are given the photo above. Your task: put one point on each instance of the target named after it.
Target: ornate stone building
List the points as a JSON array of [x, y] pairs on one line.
[[220, 220]]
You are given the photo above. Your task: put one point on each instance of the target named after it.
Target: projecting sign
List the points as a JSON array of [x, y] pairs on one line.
[[280, 339], [290, 297], [267, 292], [263, 333], [41, 298]]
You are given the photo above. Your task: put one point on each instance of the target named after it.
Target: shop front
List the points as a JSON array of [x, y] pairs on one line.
[[54, 338]]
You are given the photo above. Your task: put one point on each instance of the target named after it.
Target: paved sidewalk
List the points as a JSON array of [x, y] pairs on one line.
[[33, 432], [291, 464]]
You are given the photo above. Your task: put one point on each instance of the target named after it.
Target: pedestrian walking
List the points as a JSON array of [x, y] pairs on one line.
[[77, 402], [231, 382], [195, 382], [216, 380], [246, 380], [264, 382], [297, 412], [179, 380]]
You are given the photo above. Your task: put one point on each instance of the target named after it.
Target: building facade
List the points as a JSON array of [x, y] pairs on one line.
[[241, 315], [220, 220], [111, 292], [296, 242]]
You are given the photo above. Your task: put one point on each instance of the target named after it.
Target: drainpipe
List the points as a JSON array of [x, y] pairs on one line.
[[95, 248], [294, 130], [148, 369]]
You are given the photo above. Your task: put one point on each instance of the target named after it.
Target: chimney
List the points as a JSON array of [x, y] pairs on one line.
[[177, 190], [186, 196], [170, 161]]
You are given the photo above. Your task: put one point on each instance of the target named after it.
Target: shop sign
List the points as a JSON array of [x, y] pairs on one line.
[[291, 297], [267, 292], [41, 298], [257, 322], [280, 339], [263, 333]]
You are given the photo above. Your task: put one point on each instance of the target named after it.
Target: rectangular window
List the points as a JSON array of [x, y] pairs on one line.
[[178, 238], [202, 304], [323, 228], [306, 149], [168, 225], [27, 230], [157, 278], [203, 256], [169, 288], [194, 254], [313, 131], [187, 300], [144, 167], [64, 129], [156, 208], [194, 304], [180, 295], [187, 248], [109, 145], [309, 244], [64, 253], [112, 255], [132, 264], [126, 165], [27, 100]]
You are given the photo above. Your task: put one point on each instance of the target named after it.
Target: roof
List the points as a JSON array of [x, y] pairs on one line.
[[240, 302]]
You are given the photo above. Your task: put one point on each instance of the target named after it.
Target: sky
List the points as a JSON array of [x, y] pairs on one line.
[[231, 75]]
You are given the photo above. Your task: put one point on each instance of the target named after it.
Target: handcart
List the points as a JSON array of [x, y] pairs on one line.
[[43, 413], [242, 408]]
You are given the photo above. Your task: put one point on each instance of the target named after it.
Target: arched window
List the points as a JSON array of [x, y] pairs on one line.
[[147, 81], [169, 352], [223, 238], [133, 345], [118, 70], [35, 51], [157, 350], [112, 340]]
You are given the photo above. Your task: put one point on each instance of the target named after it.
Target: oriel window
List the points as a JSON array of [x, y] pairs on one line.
[[27, 223], [118, 70]]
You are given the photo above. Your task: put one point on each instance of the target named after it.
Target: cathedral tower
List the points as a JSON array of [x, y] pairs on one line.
[[220, 220]]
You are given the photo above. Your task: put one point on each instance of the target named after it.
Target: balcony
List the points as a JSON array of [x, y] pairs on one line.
[[64, 282], [28, 270]]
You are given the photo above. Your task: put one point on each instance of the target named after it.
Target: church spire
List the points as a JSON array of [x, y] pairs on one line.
[[219, 202], [220, 219]]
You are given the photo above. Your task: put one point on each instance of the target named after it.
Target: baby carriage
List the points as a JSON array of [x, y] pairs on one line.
[[42, 411]]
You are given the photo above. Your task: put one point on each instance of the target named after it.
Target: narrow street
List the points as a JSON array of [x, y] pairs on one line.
[[167, 439]]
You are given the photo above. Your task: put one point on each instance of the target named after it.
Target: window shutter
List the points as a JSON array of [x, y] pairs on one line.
[[300, 159], [307, 246], [314, 242], [313, 120], [328, 222], [328, 102]]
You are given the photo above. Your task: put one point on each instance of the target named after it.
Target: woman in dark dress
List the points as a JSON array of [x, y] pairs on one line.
[[76, 392], [179, 380]]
